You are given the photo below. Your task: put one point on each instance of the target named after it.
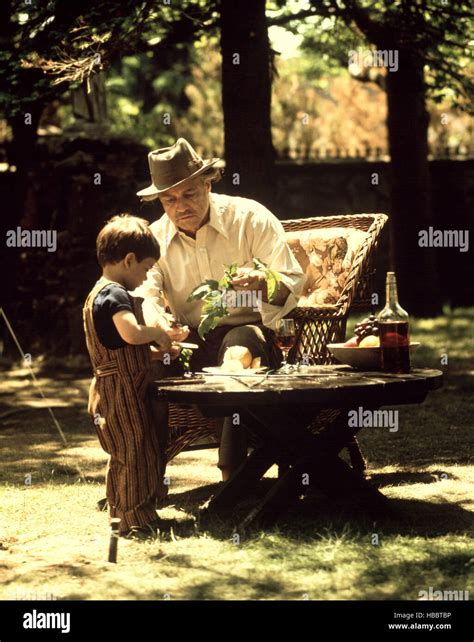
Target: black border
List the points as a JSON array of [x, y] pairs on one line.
[[298, 621]]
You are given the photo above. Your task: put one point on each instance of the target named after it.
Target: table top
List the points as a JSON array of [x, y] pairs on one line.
[[319, 386]]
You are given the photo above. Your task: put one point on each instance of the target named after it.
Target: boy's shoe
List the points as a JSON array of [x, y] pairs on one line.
[[161, 528], [148, 531], [102, 504]]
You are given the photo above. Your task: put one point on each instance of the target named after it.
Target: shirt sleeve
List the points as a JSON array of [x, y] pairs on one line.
[[268, 243], [151, 291], [115, 300]]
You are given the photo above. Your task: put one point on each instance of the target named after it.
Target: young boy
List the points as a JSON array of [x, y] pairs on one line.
[[118, 343]]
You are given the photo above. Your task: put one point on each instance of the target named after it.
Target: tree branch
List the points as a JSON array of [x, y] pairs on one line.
[[284, 20], [372, 30], [378, 79]]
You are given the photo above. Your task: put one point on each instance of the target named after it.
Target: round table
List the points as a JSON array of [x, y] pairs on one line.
[[301, 422]]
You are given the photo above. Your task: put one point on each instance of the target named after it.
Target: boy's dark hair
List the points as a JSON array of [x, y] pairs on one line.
[[125, 233]]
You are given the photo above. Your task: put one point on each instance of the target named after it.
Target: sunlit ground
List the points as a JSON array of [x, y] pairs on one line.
[[53, 541]]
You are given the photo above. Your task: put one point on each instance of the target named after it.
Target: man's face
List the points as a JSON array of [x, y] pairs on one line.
[[187, 205]]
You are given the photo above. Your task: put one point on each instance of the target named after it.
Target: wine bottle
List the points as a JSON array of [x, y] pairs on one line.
[[394, 331]]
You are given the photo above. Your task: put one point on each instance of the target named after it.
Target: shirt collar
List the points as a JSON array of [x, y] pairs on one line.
[[215, 220], [216, 217]]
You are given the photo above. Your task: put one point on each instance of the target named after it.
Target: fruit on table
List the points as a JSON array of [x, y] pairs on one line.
[[256, 363], [240, 354], [370, 342], [353, 342], [367, 327], [233, 365]]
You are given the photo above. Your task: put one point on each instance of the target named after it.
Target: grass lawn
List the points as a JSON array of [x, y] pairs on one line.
[[53, 542]]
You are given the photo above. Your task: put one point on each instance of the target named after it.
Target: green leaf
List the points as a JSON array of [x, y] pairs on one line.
[[185, 358], [259, 265], [273, 278], [203, 290], [231, 269], [211, 293], [229, 272], [213, 304], [208, 322]]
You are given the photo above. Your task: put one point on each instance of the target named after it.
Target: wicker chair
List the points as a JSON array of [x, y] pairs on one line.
[[316, 327], [320, 325]]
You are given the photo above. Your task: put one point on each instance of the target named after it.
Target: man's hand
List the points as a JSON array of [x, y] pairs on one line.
[[250, 279]]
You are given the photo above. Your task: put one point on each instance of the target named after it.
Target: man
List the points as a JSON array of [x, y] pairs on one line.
[[199, 234]]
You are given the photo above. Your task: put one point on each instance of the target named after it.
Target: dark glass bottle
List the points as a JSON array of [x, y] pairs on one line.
[[394, 331]]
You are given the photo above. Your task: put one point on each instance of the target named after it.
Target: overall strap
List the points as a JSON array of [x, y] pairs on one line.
[[97, 352]]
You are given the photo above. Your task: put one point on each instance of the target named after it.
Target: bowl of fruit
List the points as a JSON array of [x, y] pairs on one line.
[[362, 351]]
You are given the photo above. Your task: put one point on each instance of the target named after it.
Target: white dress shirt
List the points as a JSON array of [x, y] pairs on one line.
[[238, 230]]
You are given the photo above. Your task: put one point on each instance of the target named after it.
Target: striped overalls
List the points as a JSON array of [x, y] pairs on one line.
[[122, 415]]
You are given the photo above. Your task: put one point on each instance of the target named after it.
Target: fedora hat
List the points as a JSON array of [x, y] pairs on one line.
[[171, 166]]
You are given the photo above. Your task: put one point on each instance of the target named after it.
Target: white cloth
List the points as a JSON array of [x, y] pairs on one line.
[[238, 230]]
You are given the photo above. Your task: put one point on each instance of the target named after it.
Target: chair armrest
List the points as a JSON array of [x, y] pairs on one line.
[[315, 312]]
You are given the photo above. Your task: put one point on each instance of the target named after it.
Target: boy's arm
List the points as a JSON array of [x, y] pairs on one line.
[[132, 332]]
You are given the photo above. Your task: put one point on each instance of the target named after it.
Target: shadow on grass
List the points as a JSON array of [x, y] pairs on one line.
[[192, 499], [266, 587], [411, 517], [67, 367], [450, 571], [315, 514], [42, 455], [407, 477], [76, 570]]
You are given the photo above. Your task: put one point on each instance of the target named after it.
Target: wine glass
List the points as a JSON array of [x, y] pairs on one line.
[[285, 337]]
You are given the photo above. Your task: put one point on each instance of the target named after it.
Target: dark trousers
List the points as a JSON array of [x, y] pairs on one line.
[[258, 339], [233, 436]]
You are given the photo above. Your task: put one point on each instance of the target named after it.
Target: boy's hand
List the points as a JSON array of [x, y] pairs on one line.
[[162, 338], [175, 331], [178, 333], [159, 354]]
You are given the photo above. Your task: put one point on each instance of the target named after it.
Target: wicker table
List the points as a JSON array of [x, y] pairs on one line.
[[302, 424]]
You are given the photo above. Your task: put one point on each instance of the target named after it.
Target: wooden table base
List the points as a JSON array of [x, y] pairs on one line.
[[319, 468]]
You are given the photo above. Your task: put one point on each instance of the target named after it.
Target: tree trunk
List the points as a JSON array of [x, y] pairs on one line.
[[411, 209], [246, 100], [21, 154]]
